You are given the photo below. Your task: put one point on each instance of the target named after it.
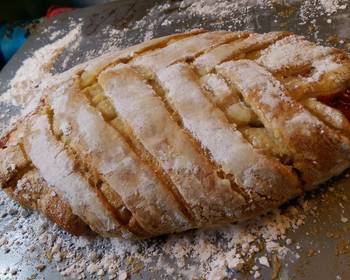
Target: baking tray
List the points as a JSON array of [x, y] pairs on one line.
[[319, 254]]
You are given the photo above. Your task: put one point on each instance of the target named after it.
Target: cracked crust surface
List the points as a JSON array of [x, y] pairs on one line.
[[184, 131]]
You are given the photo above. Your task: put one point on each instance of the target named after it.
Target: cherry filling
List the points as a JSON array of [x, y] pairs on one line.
[[339, 101]]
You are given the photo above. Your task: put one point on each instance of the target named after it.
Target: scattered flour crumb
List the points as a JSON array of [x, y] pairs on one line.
[[264, 261], [123, 275], [332, 6], [212, 252], [257, 274], [37, 68]]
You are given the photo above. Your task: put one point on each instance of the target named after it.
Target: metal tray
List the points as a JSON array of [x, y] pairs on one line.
[[330, 29]]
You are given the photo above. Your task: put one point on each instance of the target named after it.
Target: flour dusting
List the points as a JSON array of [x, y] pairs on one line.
[[37, 68], [250, 247]]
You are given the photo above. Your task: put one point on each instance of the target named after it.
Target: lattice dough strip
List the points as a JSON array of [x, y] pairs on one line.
[[183, 50], [224, 143], [291, 55], [328, 75], [241, 115], [93, 68], [221, 93], [206, 62], [208, 196], [318, 151], [329, 115], [229, 100], [57, 168], [152, 206]]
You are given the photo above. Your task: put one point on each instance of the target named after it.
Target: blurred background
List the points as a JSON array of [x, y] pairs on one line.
[[20, 18], [29, 9]]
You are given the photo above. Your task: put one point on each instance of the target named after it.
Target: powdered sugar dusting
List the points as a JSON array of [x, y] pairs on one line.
[[225, 251], [37, 68], [220, 8], [323, 66], [292, 51], [213, 253], [331, 6]]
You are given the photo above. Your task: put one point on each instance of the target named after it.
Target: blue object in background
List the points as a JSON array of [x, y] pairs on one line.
[[11, 39]]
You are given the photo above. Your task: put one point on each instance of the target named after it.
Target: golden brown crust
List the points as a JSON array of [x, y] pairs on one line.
[[184, 131], [25, 185], [317, 151], [123, 176]]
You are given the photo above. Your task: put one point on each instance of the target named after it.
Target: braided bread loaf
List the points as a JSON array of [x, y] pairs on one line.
[[185, 131]]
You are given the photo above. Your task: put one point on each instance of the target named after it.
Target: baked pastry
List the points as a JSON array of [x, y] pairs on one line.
[[185, 131]]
